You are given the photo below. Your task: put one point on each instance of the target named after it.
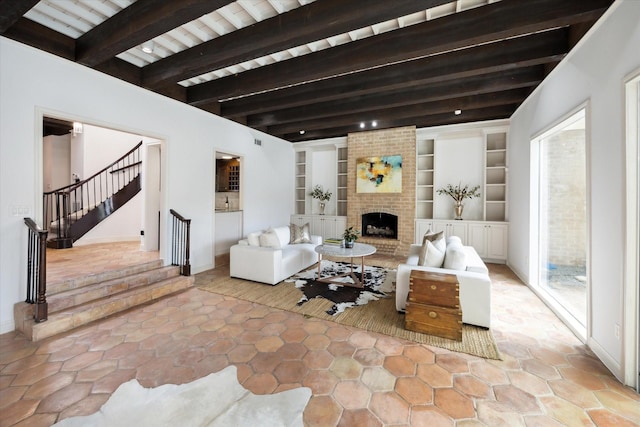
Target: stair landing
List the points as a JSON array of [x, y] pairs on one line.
[[88, 283]]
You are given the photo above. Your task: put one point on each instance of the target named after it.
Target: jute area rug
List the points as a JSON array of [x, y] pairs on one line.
[[377, 316]]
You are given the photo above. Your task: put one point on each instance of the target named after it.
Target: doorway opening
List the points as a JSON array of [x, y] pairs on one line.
[[561, 275], [72, 150]]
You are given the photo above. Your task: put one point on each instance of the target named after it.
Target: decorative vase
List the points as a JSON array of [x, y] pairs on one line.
[[348, 243], [458, 210], [322, 205]]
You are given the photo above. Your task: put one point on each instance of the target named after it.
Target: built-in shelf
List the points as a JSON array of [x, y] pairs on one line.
[[301, 182], [341, 206], [424, 178], [495, 184]]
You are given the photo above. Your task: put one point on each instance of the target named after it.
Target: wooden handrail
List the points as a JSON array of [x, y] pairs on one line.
[[122, 169], [37, 270], [181, 242], [78, 184]]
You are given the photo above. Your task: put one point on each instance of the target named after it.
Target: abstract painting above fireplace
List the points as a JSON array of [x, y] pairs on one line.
[[379, 174]]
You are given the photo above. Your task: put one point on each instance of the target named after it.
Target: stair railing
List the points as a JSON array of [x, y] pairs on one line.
[[68, 204], [180, 242], [37, 270]]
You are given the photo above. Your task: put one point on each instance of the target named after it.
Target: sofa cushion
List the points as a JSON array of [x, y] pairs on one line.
[[433, 249], [269, 239], [254, 238], [299, 234], [283, 234], [455, 255]]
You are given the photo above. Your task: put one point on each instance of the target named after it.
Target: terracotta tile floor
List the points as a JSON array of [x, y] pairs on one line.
[[547, 377]]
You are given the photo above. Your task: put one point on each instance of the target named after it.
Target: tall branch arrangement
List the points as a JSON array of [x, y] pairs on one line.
[[459, 193], [319, 194]]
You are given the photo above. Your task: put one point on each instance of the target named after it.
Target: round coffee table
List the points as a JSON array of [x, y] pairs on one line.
[[359, 250]]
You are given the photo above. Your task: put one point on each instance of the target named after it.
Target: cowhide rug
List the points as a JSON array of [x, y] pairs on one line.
[[215, 400], [378, 282]]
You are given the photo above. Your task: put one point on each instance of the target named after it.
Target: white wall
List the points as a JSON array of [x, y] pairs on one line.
[[33, 83], [458, 159], [594, 72]]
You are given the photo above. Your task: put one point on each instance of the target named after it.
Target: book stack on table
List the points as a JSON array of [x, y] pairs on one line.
[[334, 241]]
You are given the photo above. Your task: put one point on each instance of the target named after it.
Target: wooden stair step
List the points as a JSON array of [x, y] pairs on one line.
[[81, 295], [83, 314]]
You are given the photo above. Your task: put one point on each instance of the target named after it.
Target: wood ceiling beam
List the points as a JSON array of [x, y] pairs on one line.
[[477, 115], [316, 21], [495, 57], [12, 10], [514, 96], [33, 34], [490, 23], [494, 82], [133, 25]]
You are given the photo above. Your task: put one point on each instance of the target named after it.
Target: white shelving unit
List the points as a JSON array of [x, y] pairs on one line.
[[495, 185], [341, 187], [424, 178], [301, 182]]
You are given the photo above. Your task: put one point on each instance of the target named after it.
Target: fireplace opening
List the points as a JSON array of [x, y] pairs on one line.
[[380, 224]]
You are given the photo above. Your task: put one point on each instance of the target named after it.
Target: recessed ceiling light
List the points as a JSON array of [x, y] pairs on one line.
[[227, 157], [302, 132], [362, 125], [374, 123], [457, 112]]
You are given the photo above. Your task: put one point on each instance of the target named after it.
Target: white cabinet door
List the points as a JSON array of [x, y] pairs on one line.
[[329, 228], [327, 225], [489, 240], [477, 237], [497, 241], [452, 228], [422, 226], [301, 220], [317, 225], [341, 225]]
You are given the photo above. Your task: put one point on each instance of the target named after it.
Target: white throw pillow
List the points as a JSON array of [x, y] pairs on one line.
[[299, 234], [254, 238], [269, 239], [430, 255], [433, 249], [455, 257]]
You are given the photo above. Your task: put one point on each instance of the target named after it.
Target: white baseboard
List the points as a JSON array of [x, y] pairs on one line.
[[7, 326], [606, 359]]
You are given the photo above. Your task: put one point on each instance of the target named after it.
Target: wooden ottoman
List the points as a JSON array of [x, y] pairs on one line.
[[433, 305]]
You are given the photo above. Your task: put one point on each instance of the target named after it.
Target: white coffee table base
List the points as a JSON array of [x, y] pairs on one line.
[[360, 250]]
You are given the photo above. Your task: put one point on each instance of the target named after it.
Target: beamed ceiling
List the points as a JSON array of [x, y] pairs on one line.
[[323, 67]]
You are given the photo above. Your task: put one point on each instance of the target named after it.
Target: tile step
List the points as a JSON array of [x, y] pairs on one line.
[[90, 279], [65, 299], [86, 313]]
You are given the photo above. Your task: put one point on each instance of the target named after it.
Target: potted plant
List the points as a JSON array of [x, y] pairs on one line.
[[458, 194], [322, 196], [350, 235]]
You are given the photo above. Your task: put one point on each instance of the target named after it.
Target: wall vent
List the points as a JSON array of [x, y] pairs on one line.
[[257, 141]]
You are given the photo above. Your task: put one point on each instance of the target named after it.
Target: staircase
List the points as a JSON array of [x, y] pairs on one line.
[[80, 301], [71, 211]]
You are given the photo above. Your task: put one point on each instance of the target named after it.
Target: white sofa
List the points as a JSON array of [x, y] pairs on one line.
[[475, 285], [261, 257]]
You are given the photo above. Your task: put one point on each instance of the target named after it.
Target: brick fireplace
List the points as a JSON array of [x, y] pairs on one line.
[[384, 142]]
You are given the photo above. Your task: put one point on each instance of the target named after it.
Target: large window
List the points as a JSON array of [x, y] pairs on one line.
[[561, 273]]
